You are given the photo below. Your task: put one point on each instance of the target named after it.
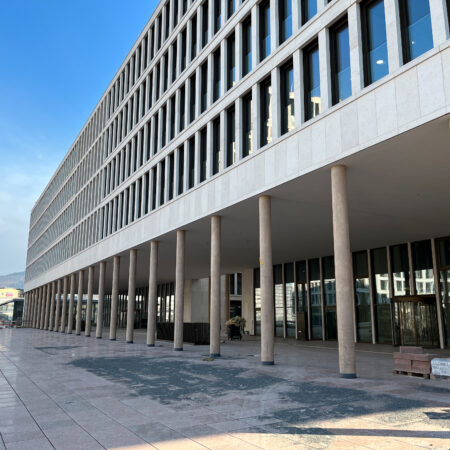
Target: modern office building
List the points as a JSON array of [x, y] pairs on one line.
[[302, 143]]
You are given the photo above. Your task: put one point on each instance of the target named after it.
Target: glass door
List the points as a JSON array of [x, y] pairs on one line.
[[316, 298], [302, 301], [329, 290]]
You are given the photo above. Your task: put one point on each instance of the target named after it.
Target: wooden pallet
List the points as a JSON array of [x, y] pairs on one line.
[[412, 374]]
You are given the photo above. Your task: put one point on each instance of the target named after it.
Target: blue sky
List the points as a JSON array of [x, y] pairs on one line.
[[57, 58]]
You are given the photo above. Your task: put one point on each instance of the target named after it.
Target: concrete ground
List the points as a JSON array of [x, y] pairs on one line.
[[73, 392]]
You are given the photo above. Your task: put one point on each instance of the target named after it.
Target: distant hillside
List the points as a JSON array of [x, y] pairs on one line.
[[13, 280]]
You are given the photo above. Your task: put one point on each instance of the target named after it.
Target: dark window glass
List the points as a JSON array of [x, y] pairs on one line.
[[153, 206], [285, 12], [309, 10], [232, 288], [289, 298], [194, 38], [192, 99], [312, 82], [340, 63], [175, 13], [231, 7], [155, 136], [302, 293], [287, 98], [246, 125], [246, 46], [205, 24], [152, 40], [423, 267], [239, 284], [257, 297], [163, 125], [374, 39], [416, 28], [266, 112], [217, 15], [174, 62], [279, 299], [171, 175], [203, 153], [167, 25], [216, 76], [146, 192], [165, 64], [216, 146], [191, 162], [316, 298], [183, 50], [204, 87], [180, 170], [172, 118], [185, 5], [231, 137], [362, 296], [162, 184], [182, 116], [158, 37], [231, 62], [400, 269], [264, 30]]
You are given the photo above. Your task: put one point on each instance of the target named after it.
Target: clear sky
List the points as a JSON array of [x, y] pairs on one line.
[[57, 58]]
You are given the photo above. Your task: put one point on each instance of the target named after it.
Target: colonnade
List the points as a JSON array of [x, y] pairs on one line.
[[44, 313]]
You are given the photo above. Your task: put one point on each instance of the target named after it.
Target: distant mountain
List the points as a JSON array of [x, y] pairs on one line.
[[13, 280]]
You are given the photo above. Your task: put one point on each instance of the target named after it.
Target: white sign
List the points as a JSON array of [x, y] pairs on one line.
[[440, 366]]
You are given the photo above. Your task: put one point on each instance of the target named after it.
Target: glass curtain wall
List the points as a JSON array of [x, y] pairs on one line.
[[289, 295], [316, 298], [279, 300], [329, 290], [423, 268], [257, 288], [362, 296], [443, 247], [400, 270], [302, 300]]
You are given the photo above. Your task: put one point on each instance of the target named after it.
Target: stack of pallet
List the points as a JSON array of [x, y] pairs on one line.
[[413, 361]]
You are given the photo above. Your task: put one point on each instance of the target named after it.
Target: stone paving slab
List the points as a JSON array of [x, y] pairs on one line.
[[71, 392]]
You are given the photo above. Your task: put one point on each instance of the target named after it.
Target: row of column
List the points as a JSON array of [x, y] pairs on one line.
[[44, 314]]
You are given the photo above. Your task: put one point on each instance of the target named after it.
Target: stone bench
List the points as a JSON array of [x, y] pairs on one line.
[[412, 361], [440, 368]]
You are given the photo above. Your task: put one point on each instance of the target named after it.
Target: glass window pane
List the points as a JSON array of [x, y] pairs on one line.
[[264, 29], [400, 269], [266, 113], [312, 83], [342, 87], [279, 300], [309, 10], [289, 289], [287, 99], [423, 267], [285, 13], [316, 298]]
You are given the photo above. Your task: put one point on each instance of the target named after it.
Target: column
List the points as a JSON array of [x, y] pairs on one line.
[[266, 273], [33, 309], [324, 58], [131, 296], [439, 21], [64, 306], [179, 292], [393, 35], [47, 307], [58, 305], [356, 57], [90, 293], [42, 308], [52, 308], [114, 299], [101, 298], [344, 273], [152, 294], [71, 304], [214, 346], [79, 302]]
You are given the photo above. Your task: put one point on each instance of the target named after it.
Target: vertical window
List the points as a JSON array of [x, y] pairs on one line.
[[287, 98], [171, 162], [205, 19], [159, 38], [165, 65], [264, 30], [157, 79], [204, 87], [231, 7], [167, 24], [316, 298], [374, 41], [279, 299], [309, 10], [174, 61], [423, 267], [400, 269], [216, 146], [266, 112], [183, 50], [146, 192], [163, 125], [203, 154], [162, 182], [285, 17], [175, 13], [231, 137], [232, 283], [246, 125], [216, 75], [362, 296], [231, 62], [182, 106], [194, 38], [416, 28], [192, 99], [185, 4], [289, 298], [172, 118], [246, 46], [217, 15], [191, 163], [180, 170], [311, 82], [340, 63]]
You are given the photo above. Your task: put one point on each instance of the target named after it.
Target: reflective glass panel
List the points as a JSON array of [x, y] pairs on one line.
[[309, 10], [312, 83], [287, 99], [316, 298], [279, 300], [423, 267], [285, 12], [381, 291], [400, 269], [342, 87], [266, 113], [257, 285], [289, 289], [264, 29], [362, 296]]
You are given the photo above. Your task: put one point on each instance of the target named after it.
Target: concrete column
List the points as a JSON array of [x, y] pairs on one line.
[[439, 21], [58, 305], [52, 308], [152, 294], [90, 293], [324, 66], [33, 309], [393, 35], [42, 311], [79, 302], [179, 292], [214, 347], [356, 55], [131, 296], [266, 273], [47, 307], [71, 304], [344, 273], [114, 299], [64, 306], [101, 298]]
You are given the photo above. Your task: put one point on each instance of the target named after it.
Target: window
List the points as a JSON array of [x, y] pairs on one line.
[[153, 205], [165, 64], [155, 135], [266, 112], [184, 6], [171, 162], [203, 154], [309, 10], [175, 14], [217, 15], [285, 15], [192, 99], [183, 51], [340, 63], [246, 46], [247, 125], [400, 269], [191, 163], [180, 170], [216, 146], [231, 7], [216, 75], [374, 41], [311, 82], [174, 62], [163, 125], [416, 28], [204, 87], [232, 287], [287, 98], [231, 62], [423, 267], [182, 106], [167, 24], [264, 30], [157, 79], [231, 137], [205, 24], [162, 182], [194, 38]]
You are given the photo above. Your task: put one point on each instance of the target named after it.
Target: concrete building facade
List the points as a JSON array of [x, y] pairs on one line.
[[304, 144]]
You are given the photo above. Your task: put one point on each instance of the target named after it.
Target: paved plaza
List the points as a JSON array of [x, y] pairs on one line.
[[72, 392]]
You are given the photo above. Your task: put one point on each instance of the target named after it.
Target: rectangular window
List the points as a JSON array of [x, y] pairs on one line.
[[203, 154], [205, 18], [266, 112], [180, 170], [165, 65], [287, 98], [174, 62], [171, 163], [194, 38], [157, 79], [192, 97], [309, 10], [162, 182], [182, 106], [216, 146], [285, 17], [374, 41], [185, 5], [232, 283], [247, 125], [400, 269], [340, 63], [217, 15], [191, 163], [158, 37], [156, 133], [231, 62], [175, 13], [231, 7], [163, 125], [311, 81], [183, 50], [264, 30], [172, 118], [146, 192], [231, 137], [415, 20], [204, 87], [246, 46], [216, 75], [423, 267], [167, 24]]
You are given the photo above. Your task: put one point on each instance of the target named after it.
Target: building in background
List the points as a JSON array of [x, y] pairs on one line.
[[11, 305]]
